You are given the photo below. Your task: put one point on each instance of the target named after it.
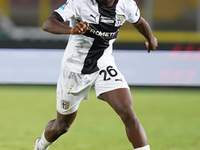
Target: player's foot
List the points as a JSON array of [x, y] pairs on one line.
[[36, 143]]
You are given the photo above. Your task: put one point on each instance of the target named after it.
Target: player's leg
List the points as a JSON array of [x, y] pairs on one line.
[[55, 129], [113, 88], [72, 88], [59, 126], [120, 100]]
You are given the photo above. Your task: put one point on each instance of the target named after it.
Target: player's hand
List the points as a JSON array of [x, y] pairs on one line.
[[152, 45], [80, 28]]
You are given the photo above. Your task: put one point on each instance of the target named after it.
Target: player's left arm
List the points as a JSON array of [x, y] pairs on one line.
[[143, 27]]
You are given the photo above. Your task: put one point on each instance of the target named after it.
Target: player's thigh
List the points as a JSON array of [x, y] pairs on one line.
[[120, 100]]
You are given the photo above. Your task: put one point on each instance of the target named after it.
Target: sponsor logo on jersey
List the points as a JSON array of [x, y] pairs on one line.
[[120, 20], [100, 33], [63, 6], [107, 19], [65, 104]]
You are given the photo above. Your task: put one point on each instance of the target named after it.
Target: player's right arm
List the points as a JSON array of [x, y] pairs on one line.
[[54, 25]]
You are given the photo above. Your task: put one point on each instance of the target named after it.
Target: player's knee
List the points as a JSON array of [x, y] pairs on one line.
[[128, 116], [62, 128]]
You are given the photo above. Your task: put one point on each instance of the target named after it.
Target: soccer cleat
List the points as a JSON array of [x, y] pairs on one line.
[[36, 143]]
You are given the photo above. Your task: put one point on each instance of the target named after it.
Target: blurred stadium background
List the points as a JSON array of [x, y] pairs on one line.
[[30, 63], [27, 54]]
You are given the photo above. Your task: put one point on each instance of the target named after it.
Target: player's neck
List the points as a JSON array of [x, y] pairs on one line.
[[106, 3]]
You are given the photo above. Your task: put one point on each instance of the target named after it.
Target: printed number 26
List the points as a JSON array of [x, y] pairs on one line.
[[109, 71]]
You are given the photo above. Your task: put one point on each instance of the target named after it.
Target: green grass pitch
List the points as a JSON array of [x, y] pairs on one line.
[[170, 117]]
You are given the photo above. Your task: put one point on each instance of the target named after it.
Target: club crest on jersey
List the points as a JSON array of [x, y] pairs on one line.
[[65, 104], [120, 20], [106, 19]]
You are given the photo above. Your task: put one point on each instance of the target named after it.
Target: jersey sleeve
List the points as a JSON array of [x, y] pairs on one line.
[[68, 10], [133, 12]]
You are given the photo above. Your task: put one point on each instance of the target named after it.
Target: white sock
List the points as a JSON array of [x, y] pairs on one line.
[[43, 143], [147, 147]]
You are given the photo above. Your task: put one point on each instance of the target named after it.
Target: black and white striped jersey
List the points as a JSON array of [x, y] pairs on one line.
[[89, 52]]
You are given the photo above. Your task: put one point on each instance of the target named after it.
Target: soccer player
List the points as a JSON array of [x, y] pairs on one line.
[[87, 62]]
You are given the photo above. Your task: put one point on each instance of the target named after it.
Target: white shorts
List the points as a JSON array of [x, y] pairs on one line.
[[72, 87]]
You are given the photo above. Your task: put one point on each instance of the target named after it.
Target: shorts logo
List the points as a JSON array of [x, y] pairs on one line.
[[118, 79], [120, 20], [65, 104]]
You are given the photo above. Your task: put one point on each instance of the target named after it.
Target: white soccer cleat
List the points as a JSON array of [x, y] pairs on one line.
[[36, 143]]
